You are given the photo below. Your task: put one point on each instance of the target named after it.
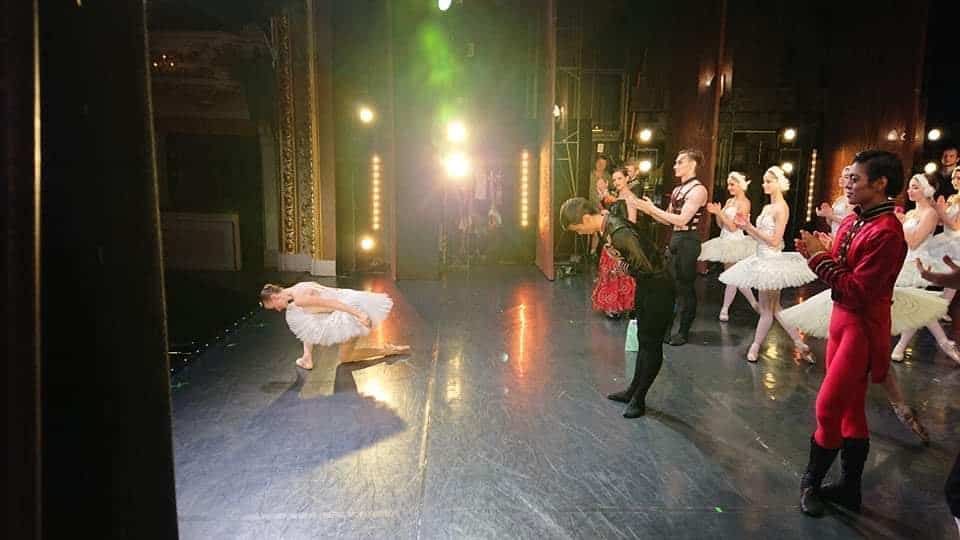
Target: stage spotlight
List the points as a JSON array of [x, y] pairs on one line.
[[893, 135], [787, 167], [934, 134], [366, 114], [444, 4], [646, 134], [456, 132], [556, 111], [789, 134], [367, 243], [645, 166], [457, 165], [930, 167]]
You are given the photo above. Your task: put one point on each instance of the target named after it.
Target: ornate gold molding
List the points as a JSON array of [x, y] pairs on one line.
[[286, 138], [303, 125]]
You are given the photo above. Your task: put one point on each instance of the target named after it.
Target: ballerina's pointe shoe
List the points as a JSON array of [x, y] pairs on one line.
[[724, 315], [804, 351], [753, 353], [897, 354], [908, 417], [949, 348], [394, 350], [301, 363]]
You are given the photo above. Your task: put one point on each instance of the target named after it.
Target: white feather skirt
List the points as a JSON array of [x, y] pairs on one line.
[[727, 250], [910, 277], [912, 308], [339, 327], [946, 243], [771, 272]]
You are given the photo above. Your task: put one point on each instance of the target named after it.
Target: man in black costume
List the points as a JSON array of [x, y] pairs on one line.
[[653, 299]]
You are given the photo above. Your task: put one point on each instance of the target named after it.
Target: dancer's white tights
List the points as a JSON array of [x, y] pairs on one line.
[[935, 329], [730, 292], [770, 310]]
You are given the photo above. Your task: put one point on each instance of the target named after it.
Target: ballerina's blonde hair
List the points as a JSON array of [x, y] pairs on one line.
[[739, 178], [782, 179], [928, 189]]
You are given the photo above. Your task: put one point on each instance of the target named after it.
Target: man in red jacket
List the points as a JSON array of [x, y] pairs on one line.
[[861, 268]]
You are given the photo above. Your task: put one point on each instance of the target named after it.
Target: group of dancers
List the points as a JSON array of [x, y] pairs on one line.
[[877, 262]]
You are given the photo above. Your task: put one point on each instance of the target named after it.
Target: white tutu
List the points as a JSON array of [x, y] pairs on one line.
[[945, 243], [727, 250], [910, 276], [338, 327], [912, 308], [770, 272]]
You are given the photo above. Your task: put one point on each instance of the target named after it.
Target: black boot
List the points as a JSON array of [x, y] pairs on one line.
[[820, 460], [625, 395], [680, 338], [846, 491], [648, 367]]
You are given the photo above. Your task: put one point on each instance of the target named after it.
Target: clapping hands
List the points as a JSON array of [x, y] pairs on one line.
[[950, 280], [810, 244]]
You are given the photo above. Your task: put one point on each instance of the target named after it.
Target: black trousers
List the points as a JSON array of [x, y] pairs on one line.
[[952, 488], [684, 250], [653, 309]]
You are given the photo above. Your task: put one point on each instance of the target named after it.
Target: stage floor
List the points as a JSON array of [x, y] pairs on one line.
[[497, 427]]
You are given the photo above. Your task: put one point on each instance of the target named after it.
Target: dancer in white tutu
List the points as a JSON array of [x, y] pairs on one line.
[[918, 227], [325, 316], [947, 243], [834, 214], [770, 270], [732, 245]]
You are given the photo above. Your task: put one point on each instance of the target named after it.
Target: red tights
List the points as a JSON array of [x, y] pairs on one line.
[[842, 396]]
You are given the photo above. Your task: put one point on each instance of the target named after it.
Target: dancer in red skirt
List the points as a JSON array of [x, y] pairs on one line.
[[613, 292]]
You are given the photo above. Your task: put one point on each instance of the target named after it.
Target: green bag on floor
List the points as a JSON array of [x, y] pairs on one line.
[[631, 344]]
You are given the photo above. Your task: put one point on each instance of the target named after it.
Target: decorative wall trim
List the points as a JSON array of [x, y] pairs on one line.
[[303, 122], [286, 139]]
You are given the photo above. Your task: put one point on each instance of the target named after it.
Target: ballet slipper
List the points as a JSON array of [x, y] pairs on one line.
[[392, 350], [300, 362], [804, 350], [908, 417], [724, 315], [949, 348], [753, 353]]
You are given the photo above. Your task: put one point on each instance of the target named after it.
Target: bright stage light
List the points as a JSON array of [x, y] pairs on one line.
[[934, 134], [367, 243], [456, 132], [556, 111], [366, 114], [444, 4], [893, 135], [789, 134], [645, 166], [787, 167], [930, 168], [457, 165], [646, 134]]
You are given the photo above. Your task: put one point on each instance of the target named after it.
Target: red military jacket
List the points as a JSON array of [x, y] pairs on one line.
[[861, 270]]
